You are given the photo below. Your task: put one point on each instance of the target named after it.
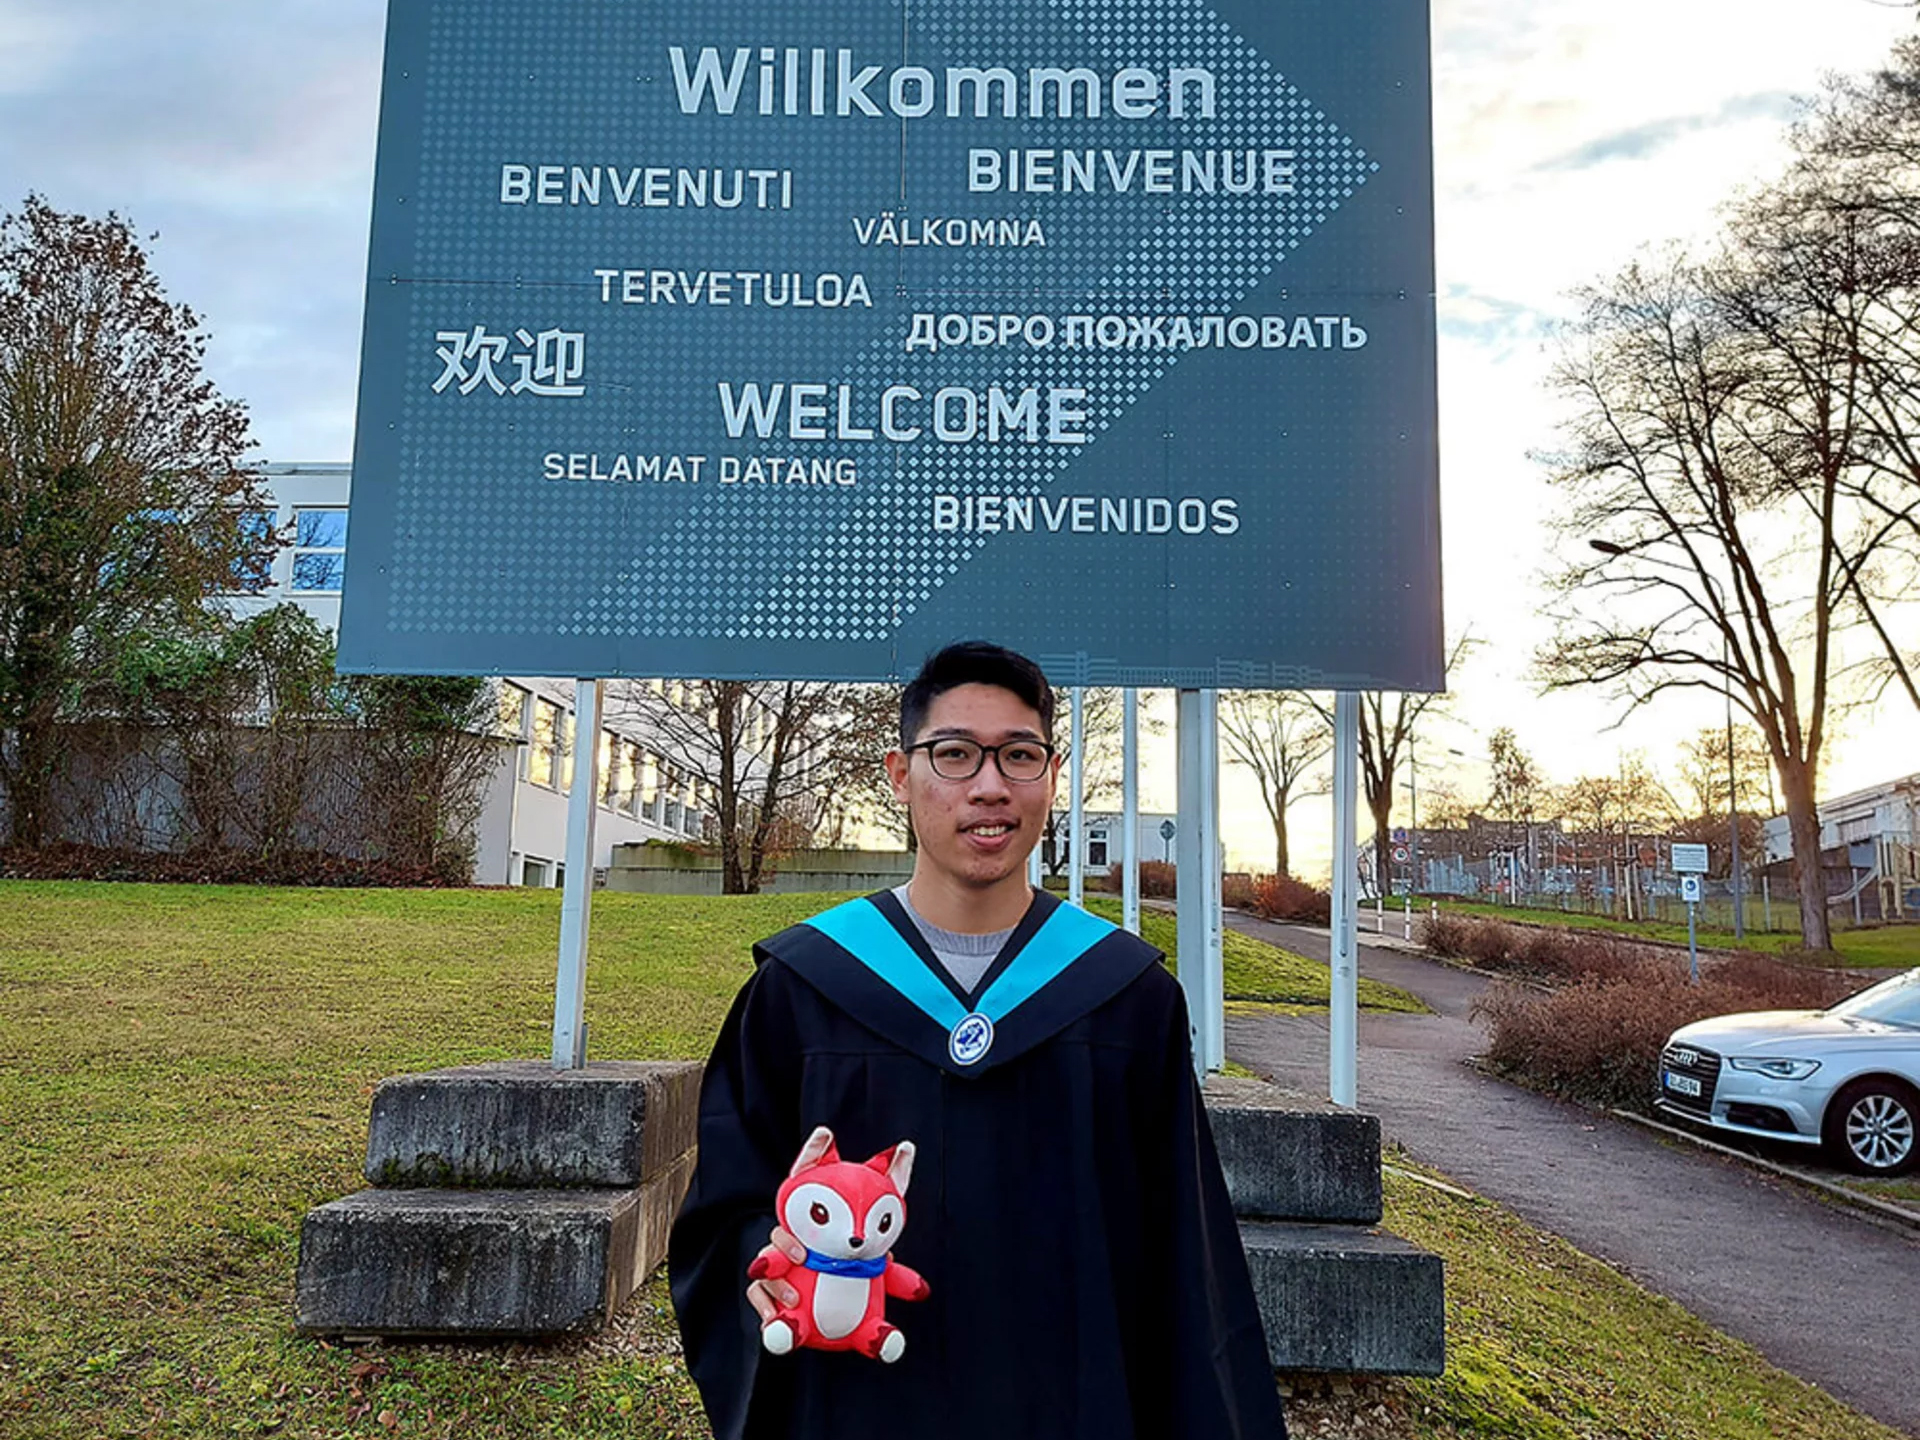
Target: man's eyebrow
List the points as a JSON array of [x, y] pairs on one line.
[[955, 732]]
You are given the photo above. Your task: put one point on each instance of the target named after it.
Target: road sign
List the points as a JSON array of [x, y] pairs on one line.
[[1690, 889], [791, 338], [1166, 829], [1399, 834], [1690, 858], [1401, 854]]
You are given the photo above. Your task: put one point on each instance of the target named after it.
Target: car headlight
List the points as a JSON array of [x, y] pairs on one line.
[[1774, 1069]]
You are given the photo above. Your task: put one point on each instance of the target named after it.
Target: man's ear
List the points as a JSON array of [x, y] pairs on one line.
[[897, 762]]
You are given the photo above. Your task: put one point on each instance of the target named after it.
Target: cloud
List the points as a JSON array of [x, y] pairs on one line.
[[1496, 321], [1644, 141]]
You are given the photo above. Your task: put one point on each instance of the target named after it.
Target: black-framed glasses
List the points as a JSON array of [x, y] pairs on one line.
[[953, 757]]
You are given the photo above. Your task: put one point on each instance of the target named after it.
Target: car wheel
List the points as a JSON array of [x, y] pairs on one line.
[[1869, 1127]]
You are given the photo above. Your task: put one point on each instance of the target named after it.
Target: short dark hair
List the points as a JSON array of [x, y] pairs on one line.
[[974, 662]]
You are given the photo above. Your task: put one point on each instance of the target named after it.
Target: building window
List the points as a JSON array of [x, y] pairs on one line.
[[253, 572], [543, 750], [650, 789], [675, 807], [613, 758], [626, 800], [1097, 852], [319, 549], [513, 723]]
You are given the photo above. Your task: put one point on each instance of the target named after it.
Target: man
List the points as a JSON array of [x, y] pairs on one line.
[[1083, 1277]]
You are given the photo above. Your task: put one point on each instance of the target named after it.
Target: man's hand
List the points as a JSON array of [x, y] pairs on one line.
[[769, 1291]]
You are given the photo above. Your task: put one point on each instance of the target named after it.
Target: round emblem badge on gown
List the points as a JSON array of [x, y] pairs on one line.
[[970, 1039]]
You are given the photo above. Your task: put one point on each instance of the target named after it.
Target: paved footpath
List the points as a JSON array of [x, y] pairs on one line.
[[1822, 1292]]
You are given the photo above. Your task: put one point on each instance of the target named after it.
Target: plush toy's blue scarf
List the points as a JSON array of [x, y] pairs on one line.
[[857, 1269]]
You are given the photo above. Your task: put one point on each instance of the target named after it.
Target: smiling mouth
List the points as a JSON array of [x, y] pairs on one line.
[[991, 830]]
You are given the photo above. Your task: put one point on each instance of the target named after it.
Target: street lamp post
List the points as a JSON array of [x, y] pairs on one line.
[[1733, 809]]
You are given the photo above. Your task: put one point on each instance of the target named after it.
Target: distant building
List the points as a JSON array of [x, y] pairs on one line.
[[523, 825], [1869, 849], [1105, 830]]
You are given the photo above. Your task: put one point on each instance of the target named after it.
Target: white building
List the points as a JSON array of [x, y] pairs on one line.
[[523, 824], [1105, 830], [1887, 811], [1870, 847]]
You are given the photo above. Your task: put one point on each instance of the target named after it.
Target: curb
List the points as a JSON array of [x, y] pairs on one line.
[[1885, 1209]]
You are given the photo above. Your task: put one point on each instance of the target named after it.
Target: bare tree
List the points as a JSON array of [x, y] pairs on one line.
[[1284, 741], [1836, 249], [1705, 532], [854, 792], [1605, 812], [762, 747], [1514, 786], [1387, 722], [1444, 807], [1704, 771], [1101, 729], [122, 502]]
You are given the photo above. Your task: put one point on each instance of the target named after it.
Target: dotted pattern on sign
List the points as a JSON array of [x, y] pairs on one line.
[[778, 563]]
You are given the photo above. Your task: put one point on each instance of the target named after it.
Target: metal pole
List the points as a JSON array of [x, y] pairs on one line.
[[1034, 877], [1190, 869], [576, 901], [1693, 946], [1413, 825], [1076, 814], [1343, 1017], [1733, 816], [1130, 810], [1215, 1026]]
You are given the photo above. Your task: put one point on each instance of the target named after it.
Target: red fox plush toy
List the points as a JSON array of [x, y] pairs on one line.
[[848, 1216]]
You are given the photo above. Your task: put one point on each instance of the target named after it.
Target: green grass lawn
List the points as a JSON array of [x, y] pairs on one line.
[[185, 1071], [1890, 946], [1256, 972]]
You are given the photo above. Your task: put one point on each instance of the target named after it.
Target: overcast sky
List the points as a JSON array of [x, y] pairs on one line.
[[1567, 134]]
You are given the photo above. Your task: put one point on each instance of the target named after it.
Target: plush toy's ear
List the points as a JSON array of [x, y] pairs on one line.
[[819, 1150], [896, 1164]]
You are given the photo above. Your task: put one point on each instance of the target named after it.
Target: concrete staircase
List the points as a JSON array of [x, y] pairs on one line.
[[508, 1200], [1337, 1294]]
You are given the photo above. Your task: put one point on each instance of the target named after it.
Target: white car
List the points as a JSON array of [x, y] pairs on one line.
[[1847, 1078]]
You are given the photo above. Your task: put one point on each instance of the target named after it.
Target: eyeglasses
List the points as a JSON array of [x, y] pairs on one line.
[[955, 758]]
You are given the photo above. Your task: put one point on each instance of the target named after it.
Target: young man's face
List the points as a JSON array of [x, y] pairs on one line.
[[977, 831]]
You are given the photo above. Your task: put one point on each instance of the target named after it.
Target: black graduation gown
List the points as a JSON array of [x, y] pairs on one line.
[[1066, 1205]]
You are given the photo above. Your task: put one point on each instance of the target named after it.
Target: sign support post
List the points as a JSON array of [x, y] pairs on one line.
[[576, 903], [1343, 1012], [1076, 813], [1690, 863], [1130, 811], [1216, 1019], [1196, 837]]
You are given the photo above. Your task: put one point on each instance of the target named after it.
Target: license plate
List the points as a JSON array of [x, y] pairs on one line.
[[1682, 1084]]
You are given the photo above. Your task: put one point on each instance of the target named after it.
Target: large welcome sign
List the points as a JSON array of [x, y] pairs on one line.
[[775, 338]]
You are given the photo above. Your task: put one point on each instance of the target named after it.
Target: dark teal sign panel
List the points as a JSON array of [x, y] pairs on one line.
[[746, 339]]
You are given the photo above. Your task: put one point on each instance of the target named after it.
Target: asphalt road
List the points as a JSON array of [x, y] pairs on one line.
[[1822, 1292]]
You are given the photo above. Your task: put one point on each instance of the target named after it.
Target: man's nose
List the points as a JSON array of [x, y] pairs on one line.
[[989, 783]]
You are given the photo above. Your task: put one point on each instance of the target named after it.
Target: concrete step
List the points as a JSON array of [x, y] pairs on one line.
[[1289, 1156], [1346, 1299], [437, 1262], [518, 1123]]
